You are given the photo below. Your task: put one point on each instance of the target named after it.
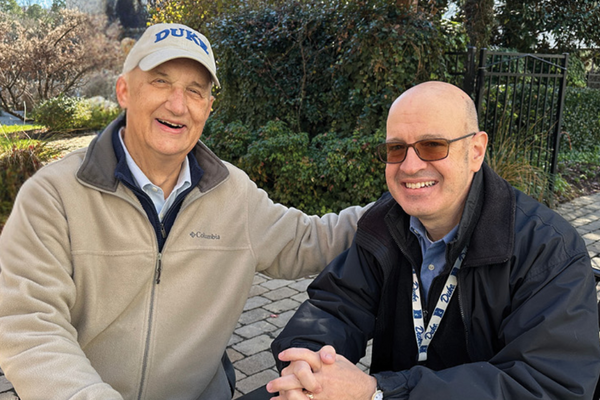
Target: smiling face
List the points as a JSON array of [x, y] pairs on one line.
[[167, 108], [434, 191]]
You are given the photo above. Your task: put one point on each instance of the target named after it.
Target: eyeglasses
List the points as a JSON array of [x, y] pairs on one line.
[[426, 149]]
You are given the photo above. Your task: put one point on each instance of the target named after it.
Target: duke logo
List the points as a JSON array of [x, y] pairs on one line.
[[180, 32]]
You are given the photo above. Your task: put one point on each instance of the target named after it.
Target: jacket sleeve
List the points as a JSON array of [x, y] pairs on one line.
[[290, 244], [341, 311], [39, 352]]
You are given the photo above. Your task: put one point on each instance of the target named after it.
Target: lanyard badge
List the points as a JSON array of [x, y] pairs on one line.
[[424, 336]]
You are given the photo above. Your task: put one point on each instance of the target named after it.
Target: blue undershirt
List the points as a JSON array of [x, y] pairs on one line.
[[434, 254]]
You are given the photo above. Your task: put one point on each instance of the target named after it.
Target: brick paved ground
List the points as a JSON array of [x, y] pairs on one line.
[[272, 302]]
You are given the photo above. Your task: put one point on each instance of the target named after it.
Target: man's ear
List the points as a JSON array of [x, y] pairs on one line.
[[122, 92], [478, 148]]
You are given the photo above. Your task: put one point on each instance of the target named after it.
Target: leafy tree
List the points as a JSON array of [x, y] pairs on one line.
[[479, 19], [10, 6], [35, 11], [43, 58], [198, 14], [58, 5], [534, 25]]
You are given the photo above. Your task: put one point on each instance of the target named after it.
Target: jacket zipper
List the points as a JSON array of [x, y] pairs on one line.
[[158, 268], [157, 276], [157, 273], [163, 233]]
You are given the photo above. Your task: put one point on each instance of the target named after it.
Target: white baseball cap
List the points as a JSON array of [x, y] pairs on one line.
[[163, 42]]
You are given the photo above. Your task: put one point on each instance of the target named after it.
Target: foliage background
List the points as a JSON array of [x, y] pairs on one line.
[[306, 83], [52, 53]]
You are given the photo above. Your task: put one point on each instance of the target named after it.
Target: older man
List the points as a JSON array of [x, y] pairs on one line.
[[125, 267], [469, 288]]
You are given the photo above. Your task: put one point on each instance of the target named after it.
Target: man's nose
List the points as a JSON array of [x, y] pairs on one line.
[[176, 103], [412, 163]]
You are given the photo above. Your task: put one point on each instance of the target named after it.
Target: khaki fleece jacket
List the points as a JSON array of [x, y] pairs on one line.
[[81, 313]]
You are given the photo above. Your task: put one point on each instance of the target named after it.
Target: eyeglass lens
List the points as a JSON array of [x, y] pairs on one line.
[[427, 150]]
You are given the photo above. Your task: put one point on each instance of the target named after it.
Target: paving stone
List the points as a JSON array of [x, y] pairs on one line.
[[258, 279], [594, 247], [592, 236], [5, 385], [255, 302], [275, 284], [234, 339], [300, 297], [282, 305], [239, 375], [282, 319], [281, 293], [255, 329], [251, 316], [254, 345], [255, 381], [234, 355], [256, 363], [257, 290], [302, 284]]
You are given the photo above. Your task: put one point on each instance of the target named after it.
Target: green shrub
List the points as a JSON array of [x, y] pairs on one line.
[[64, 113], [581, 120], [325, 174], [102, 112], [19, 159], [576, 73]]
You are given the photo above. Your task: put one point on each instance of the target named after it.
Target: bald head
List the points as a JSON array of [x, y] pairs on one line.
[[439, 100]]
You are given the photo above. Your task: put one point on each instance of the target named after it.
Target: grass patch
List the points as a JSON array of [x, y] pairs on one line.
[[9, 129]]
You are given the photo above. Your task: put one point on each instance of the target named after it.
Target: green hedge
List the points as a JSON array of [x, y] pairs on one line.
[[319, 175], [581, 120], [64, 113], [324, 66]]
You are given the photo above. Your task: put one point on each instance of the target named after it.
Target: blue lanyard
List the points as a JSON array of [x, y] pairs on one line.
[[424, 336]]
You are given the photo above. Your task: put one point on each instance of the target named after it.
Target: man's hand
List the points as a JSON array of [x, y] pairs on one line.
[[325, 375]]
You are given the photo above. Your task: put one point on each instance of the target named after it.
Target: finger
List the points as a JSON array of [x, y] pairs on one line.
[[284, 383], [327, 355], [291, 395], [297, 375], [299, 354], [306, 377]]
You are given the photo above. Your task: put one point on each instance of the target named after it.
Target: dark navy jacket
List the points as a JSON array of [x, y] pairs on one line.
[[523, 323]]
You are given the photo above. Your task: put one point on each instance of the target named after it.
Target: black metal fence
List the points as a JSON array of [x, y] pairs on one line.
[[593, 80], [519, 97]]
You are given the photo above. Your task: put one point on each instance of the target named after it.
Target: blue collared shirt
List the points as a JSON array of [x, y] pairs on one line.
[[434, 253], [155, 193]]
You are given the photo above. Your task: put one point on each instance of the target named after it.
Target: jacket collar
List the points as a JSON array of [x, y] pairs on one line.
[[100, 162], [488, 221]]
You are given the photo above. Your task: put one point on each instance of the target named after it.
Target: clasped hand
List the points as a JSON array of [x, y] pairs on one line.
[[325, 374]]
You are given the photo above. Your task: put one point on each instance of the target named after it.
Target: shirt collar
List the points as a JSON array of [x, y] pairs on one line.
[[142, 181]]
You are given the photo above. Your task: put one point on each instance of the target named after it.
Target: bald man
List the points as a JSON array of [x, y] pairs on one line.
[[469, 288]]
